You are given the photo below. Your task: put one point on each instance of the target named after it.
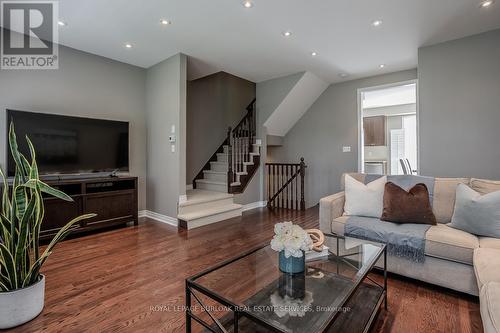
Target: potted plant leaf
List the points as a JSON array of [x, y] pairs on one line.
[[22, 287]]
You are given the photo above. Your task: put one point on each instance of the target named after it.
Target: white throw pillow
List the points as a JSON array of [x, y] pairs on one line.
[[364, 200], [475, 213]]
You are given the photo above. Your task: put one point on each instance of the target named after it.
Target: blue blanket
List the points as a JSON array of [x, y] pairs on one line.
[[403, 240]]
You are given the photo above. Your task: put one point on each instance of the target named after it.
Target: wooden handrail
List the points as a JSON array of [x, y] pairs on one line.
[[283, 185], [240, 140]]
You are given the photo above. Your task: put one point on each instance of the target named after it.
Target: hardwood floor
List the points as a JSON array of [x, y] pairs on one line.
[[132, 279]]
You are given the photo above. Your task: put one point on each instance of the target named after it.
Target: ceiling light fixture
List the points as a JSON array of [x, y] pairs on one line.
[[486, 3], [287, 33], [62, 23], [314, 53], [343, 75], [377, 23], [165, 22], [128, 45], [247, 4], [381, 65]]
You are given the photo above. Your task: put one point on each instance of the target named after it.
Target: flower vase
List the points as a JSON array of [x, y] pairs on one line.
[[292, 265]]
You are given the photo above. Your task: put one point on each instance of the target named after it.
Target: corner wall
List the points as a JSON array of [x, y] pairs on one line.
[[459, 93], [166, 107], [214, 103]]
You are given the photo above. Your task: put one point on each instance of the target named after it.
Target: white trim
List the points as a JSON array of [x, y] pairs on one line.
[[183, 198], [159, 217], [361, 150], [189, 187], [253, 205]]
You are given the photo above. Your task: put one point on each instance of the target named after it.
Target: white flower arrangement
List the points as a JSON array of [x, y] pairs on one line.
[[292, 239]]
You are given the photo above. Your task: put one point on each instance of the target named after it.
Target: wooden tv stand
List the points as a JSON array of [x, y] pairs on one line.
[[113, 199]]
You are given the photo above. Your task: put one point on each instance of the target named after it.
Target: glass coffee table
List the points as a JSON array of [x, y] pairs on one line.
[[250, 294]]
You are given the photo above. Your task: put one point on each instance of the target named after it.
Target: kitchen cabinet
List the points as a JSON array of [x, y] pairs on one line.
[[374, 131]]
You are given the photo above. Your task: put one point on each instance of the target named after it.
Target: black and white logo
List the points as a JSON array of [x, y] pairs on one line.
[[29, 35]]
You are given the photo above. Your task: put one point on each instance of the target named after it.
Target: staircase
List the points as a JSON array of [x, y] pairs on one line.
[[227, 172]]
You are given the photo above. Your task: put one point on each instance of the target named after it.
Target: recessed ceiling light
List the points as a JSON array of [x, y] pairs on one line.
[[343, 75], [165, 22], [377, 23], [381, 65], [128, 45], [287, 33], [314, 53], [487, 3], [247, 4], [62, 23]]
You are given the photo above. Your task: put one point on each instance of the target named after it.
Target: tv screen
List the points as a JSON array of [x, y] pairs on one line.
[[70, 145]]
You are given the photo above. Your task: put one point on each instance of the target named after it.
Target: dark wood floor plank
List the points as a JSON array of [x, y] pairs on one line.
[[132, 279]]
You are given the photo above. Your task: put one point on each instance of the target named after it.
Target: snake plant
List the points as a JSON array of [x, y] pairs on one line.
[[21, 216]]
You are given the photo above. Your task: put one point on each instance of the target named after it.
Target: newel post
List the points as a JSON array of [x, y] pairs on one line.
[[302, 176], [230, 174]]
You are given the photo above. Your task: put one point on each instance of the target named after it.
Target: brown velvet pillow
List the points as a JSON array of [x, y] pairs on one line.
[[407, 207]]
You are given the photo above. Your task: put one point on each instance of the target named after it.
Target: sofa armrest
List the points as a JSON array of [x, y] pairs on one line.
[[330, 208]]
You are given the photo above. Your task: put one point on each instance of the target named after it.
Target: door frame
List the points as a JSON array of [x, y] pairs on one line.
[[361, 150]]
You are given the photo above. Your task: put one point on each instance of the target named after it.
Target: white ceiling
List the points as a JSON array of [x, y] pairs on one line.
[[223, 35], [397, 95]]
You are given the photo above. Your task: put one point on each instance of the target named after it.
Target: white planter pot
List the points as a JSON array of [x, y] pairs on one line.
[[20, 306]]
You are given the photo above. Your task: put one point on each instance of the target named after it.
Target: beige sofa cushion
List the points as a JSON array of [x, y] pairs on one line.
[[484, 186], [444, 197], [448, 243], [490, 307], [486, 265], [338, 225], [441, 241], [488, 242]]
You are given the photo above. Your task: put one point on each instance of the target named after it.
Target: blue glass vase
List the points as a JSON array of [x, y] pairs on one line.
[[292, 265]]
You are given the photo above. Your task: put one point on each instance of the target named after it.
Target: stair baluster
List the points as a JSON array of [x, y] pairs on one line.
[[286, 184], [230, 174]]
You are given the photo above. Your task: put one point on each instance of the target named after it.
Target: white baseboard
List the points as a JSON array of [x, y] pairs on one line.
[[189, 187], [253, 205], [159, 217]]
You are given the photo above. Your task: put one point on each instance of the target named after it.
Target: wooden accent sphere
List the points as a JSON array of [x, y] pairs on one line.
[[318, 239]]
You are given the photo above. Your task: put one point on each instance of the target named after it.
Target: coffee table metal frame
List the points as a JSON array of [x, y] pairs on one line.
[[239, 312]]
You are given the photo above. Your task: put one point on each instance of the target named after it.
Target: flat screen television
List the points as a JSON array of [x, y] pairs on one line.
[[70, 145]]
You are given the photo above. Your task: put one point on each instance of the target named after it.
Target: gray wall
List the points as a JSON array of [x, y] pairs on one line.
[[166, 106], [84, 85], [459, 93], [214, 102], [330, 123], [269, 94]]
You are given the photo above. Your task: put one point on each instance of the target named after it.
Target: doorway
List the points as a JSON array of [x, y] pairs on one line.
[[388, 129]]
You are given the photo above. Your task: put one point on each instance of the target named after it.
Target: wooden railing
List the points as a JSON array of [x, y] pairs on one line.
[[285, 185], [240, 141]]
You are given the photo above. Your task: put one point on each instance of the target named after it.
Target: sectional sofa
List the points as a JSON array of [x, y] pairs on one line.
[[454, 258]]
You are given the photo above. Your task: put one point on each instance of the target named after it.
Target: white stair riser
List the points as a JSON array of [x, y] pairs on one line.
[[256, 149], [222, 158], [205, 205], [218, 167], [212, 219], [212, 187], [218, 177]]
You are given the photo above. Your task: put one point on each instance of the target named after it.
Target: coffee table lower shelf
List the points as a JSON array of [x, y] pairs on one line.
[[363, 307]]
